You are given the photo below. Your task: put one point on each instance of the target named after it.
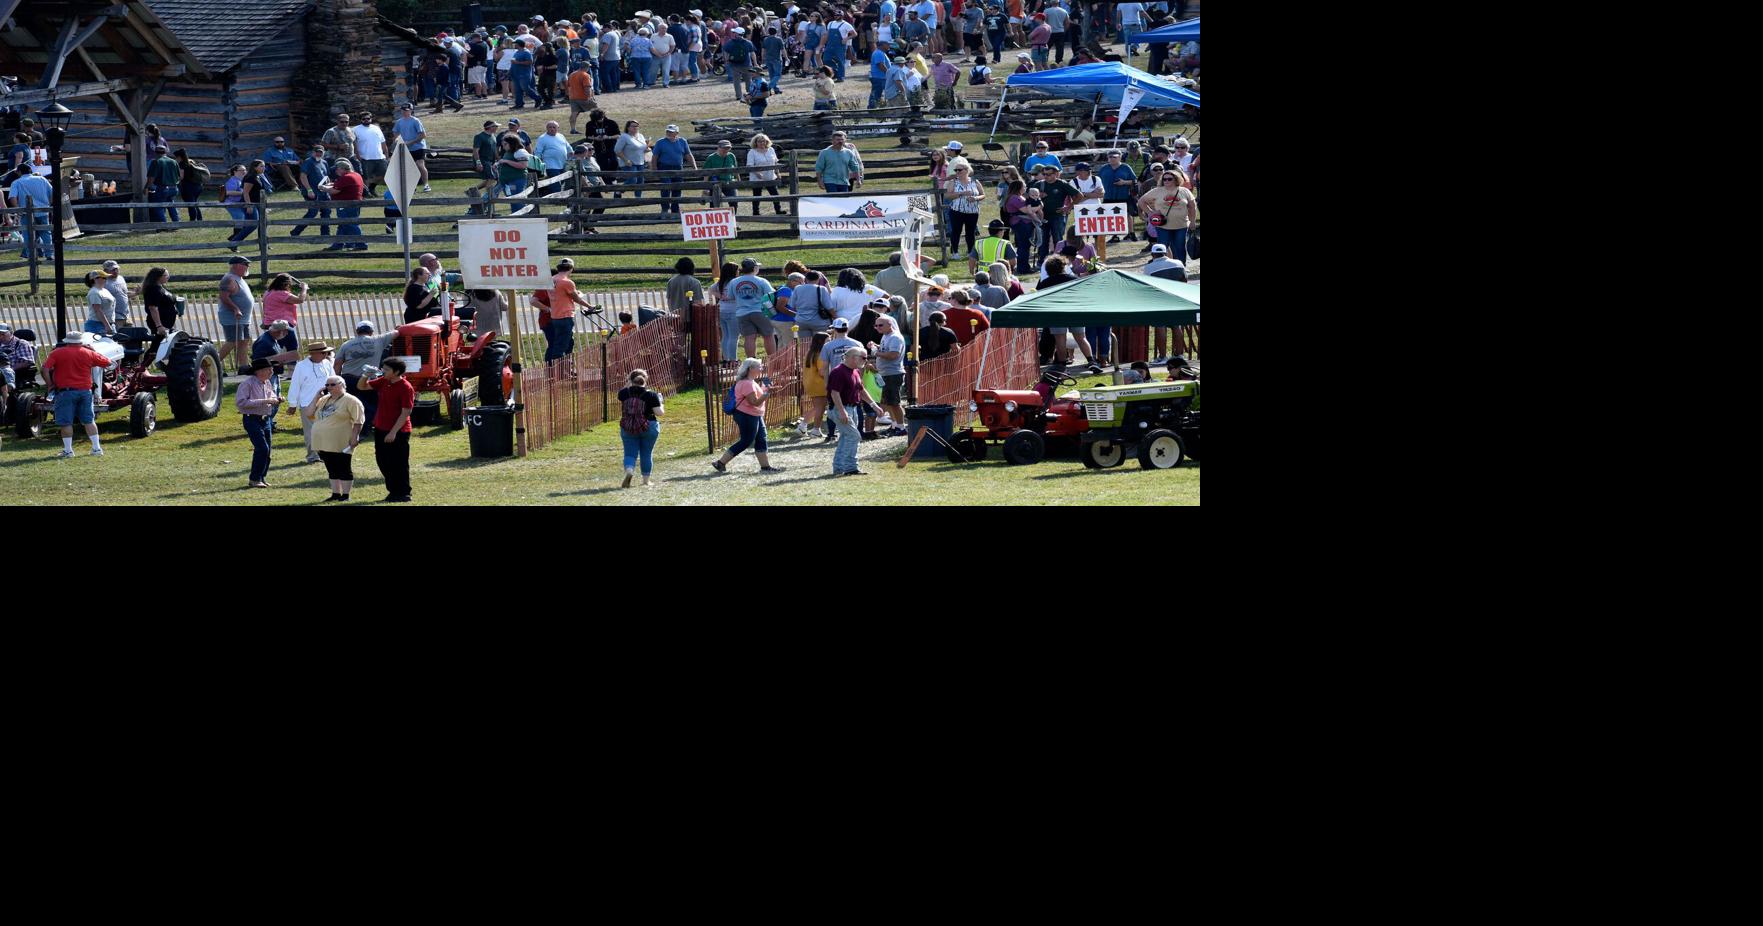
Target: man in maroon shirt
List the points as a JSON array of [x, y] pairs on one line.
[[844, 384], [346, 186], [391, 426], [69, 369]]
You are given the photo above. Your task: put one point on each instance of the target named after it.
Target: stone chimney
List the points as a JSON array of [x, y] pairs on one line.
[[343, 71]]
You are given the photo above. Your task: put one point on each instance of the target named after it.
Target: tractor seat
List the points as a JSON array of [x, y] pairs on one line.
[[127, 336]]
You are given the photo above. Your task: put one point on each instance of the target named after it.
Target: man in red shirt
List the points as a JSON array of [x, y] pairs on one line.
[[346, 185], [69, 369], [391, 426]]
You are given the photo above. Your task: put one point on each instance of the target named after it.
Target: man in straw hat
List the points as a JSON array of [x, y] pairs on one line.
[[308, 381], [69, 369]]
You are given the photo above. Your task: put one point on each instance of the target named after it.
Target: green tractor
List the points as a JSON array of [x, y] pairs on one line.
[[1158, 421]]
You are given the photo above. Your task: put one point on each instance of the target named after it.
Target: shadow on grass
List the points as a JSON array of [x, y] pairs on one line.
[[469, 462], [1113, 470], [600, 491]]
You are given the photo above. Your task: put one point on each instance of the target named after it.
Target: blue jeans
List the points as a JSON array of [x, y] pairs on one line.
[[93, 325], [1177, 240], [673, 194], [41, 232], [640, 71], [1100, 338], [522, 78], [825, 104], [1024, 233], [752, 434], [876, 86], [633, 175], [162, 194], [1126, 34], [344, 228], [1052, 233], [774, 67], [997, 44], [664, 69], [315, 212], [730, 332], [692, 63], [257, 429], [838, 188], [609, 76], [643, 445], [561, 338], [845, 453], [1038, 54]]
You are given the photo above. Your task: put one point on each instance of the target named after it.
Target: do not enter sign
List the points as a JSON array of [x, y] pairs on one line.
[[708, 225], [1095, 219], [503, 253]]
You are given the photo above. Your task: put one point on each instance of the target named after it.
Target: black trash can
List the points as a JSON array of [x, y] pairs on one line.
[[491, 430], [938, 418]]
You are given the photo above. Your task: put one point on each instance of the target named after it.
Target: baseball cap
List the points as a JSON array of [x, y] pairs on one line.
[[279, 323], [952, 146], [842, 324], [1159, 249], [491, 123], [1081, 165], [1023, 55], [740, 31], [673, 128], [996, 224], [363, 326], [899, 60], [405, 106], [725, 143], [238, 259], [514, 122], [749, 263], [110, 265], [5, 328]]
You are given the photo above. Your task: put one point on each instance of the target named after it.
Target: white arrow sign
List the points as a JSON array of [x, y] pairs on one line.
[[1092, 219], [401, 175]]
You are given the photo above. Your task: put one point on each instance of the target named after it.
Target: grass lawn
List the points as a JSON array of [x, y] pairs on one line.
[[205, 464]]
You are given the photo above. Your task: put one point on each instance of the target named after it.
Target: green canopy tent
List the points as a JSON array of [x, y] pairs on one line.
[[1112, 297]]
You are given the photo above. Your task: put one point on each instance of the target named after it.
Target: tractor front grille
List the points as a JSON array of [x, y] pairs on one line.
[[1099, 411]]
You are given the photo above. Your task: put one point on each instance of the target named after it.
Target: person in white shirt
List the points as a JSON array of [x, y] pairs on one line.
[[309, 379], [370, 150], [1131, 23]]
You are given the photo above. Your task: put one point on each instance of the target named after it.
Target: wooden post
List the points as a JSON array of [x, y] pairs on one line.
[[30, 246], [795, 191], [1101, 243], [263, 239], [709, 425], [516, 394]]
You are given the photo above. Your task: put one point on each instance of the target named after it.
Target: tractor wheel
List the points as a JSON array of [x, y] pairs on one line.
[[193, 380], [426, 412], [1160, 449], [971, 450], [456, 408], [26, 422], [1102, 454], [489, 374], [143, 414], [1024, 448]]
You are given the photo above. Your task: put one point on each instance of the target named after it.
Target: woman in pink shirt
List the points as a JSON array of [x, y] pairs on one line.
[[751, 388], [280, 303]]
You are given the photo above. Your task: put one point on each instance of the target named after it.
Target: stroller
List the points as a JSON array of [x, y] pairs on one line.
[[715, 60]]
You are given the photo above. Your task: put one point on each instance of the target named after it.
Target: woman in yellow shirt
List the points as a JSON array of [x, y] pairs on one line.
[[813, 388]]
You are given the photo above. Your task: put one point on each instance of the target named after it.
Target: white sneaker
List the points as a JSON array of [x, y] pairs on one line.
[[425, 188], [97, 451], [64, 455]]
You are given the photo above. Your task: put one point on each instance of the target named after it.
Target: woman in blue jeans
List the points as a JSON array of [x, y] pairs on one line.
[[725, 309], [750, 393], [640, 444]]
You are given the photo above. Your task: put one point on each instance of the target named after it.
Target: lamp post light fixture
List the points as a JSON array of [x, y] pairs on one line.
[[55, 119]]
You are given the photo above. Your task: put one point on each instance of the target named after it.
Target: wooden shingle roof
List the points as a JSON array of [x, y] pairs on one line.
[[220, 33]]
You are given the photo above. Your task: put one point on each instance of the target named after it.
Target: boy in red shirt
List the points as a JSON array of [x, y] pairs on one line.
[[69, 369], [391, 426]]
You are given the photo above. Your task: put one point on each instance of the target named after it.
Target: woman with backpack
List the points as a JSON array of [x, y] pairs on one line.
[[749, 410], [640, 425]]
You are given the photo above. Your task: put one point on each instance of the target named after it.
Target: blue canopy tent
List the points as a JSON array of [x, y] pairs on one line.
[[1188, 30], [1101, 83]]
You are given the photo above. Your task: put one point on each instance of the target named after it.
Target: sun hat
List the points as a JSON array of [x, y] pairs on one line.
[[317, 346], [72, 337], [673, 128], [279, 323], [261, 363]]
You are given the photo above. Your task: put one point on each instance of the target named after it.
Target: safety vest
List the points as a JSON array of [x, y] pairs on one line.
[[991, 250]]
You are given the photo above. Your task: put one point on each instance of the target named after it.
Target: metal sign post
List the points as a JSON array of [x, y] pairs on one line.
[[401, 175]]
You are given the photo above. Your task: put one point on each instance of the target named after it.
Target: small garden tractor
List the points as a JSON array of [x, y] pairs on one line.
[[1025, 421], [1154, 420], [440, 356]]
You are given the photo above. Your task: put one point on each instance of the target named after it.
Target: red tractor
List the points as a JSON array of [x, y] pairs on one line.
[[191, 380], [1025, 421], [440, 353]]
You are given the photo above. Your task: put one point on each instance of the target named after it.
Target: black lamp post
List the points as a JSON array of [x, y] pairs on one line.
[[55, 119]]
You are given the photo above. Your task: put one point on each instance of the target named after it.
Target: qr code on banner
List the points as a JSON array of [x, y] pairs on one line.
[[918, 202]]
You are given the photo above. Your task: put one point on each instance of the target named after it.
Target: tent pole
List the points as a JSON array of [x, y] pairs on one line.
[[1000, 116], [984, 350]]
